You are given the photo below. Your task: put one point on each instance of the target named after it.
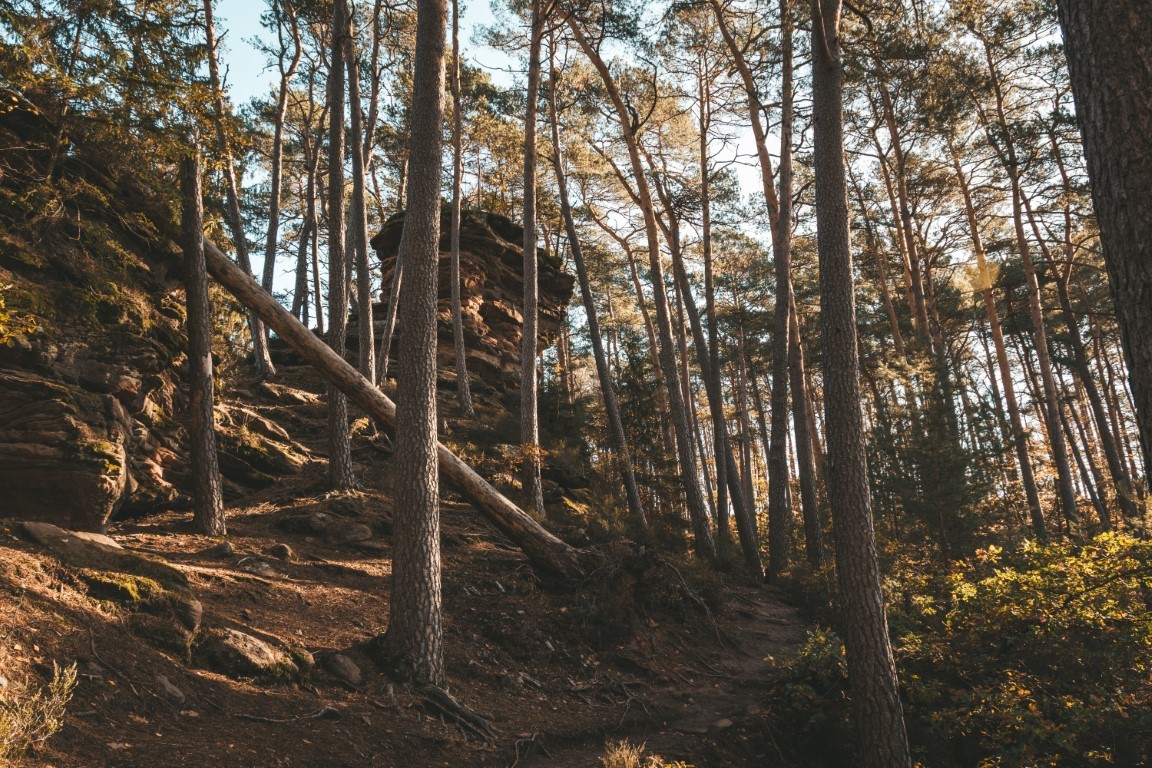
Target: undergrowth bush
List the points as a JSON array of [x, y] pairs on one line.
[[624, 754], [32, 718], [1040, 657]]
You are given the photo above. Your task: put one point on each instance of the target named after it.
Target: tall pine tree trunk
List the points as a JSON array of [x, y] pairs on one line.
[[879, 721], [712, 348], [208, 497], [463, 392], [779, 511], [339, 435], [276, 183], [1109, 45], [358, 220], [529, 337], [415, 635]]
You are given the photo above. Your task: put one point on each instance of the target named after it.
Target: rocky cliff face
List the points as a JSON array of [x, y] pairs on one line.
[[492, 289], [94, 332], [92, 342]]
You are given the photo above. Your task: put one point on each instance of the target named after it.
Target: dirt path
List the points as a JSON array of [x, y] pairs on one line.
[[709, 713]]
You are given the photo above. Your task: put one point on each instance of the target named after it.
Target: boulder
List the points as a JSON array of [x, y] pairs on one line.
[[63, 452], [240, 655]]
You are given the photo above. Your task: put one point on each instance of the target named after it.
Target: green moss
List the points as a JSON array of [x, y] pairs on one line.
[[122, 587]]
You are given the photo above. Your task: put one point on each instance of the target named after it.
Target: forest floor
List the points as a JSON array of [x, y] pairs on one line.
[[632, 653]]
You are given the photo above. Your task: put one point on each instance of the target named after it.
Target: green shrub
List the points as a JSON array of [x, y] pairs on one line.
[[1042, 661], [32, 718]]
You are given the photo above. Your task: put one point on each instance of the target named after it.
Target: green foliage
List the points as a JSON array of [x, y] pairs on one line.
[[810, 704], [1043, 660], [15, 326], [32, 718]]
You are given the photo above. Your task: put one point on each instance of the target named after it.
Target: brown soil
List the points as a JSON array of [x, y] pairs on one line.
[[557, 672]]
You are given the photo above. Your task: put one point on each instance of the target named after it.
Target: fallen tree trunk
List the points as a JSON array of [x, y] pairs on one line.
[[548, 554]]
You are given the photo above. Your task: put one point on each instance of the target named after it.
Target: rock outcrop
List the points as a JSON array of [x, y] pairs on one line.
[[492, 289], [92, 341]]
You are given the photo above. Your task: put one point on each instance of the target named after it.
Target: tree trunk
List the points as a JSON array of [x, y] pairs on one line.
[[358, 221], [415, 633], [385, 354], [463, 391], [779, 511], [207, 496], [264, 367], [805, 459], [529, 337], [879, 720], [339, 435], [276, 183], [1109, 45], [712, 348]]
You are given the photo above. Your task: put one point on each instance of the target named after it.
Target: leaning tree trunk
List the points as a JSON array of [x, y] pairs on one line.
[[208, 496], [548, 554], [339, 434], [263, 358], [879, 721], [1109, 45]]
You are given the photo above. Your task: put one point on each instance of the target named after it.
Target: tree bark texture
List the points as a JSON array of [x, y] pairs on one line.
[[415, 634], [879, 720], [1109, 45], [339, 434], [207, 493]]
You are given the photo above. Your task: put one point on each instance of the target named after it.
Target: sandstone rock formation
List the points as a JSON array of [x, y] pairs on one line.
[[92, 342], [492, 287]]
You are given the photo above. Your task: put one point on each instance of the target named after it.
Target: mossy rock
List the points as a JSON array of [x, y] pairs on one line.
[[144, 586], [122, 587]]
